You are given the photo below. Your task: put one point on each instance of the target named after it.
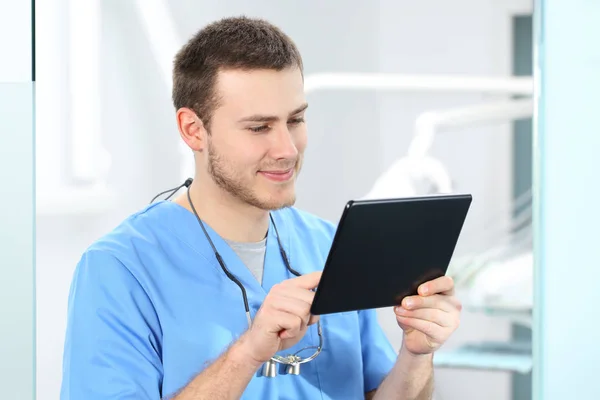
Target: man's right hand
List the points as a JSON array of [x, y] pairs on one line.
[[283, 318], [280, 323]]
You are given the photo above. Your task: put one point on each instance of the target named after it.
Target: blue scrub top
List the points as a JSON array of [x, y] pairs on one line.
[[150, 308]]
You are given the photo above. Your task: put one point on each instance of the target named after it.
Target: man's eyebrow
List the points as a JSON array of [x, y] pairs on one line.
[[272, 118], [299, 109]]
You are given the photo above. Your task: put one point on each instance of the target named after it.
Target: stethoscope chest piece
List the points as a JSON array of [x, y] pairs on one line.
[[293, 369], [270, 369], [291, 364]]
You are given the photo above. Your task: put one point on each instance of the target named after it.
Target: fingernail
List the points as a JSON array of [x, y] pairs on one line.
[[410, 303], [424, 289]]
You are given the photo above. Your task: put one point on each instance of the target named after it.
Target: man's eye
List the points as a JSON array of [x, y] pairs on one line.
[[296, 121], [258, 129]]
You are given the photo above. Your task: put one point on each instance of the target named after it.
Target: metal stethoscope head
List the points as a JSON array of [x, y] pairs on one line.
[[291, 361]]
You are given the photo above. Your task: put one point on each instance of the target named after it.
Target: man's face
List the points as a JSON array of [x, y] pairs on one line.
[[258, 136]]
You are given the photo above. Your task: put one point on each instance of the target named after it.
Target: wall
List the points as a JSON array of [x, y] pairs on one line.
[[466, 36]]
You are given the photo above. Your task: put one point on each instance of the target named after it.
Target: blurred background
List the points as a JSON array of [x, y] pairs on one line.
[[406, 97]]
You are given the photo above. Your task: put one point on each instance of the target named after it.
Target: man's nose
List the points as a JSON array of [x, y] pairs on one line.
[[283, 146]]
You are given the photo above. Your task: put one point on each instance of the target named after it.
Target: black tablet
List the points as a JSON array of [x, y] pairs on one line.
[[384, 249]]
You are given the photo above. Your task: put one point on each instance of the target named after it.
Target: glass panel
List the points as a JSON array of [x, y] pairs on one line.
[[566, 166], [17, 340]]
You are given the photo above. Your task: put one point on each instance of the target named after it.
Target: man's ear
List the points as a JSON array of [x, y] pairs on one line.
[[191, 129]]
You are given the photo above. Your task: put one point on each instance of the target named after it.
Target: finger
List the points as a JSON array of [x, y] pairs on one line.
[[441, 285], [275, 321], [294, 292], [439, 317], [288, 325], [292, 306], [308, 281], [443, 302], [428, 328], [304, 296]]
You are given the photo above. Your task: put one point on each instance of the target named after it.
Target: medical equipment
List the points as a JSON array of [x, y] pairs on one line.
[[291, 361], [494, 272], [499, 258]]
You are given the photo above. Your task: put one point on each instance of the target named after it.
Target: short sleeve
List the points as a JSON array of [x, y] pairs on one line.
[[112, 346], [378, 354]]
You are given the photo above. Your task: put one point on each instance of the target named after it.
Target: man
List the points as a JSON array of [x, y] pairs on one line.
[[156, 307]]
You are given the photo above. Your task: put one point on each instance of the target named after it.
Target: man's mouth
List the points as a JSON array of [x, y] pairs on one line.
[[280, 175]]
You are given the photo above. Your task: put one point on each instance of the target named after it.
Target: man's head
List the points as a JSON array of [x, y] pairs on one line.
[[239, 91]]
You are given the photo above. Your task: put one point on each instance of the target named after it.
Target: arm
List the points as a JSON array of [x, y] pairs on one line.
[[389, 375], [226, 378], [112, 348], [410, 378], [427, 319]]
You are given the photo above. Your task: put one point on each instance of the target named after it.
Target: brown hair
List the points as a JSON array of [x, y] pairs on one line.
[[231, 43]]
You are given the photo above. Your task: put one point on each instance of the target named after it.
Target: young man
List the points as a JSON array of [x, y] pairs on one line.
[[157, 307]]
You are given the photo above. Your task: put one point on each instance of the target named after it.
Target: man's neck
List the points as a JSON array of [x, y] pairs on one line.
[[228, 216]]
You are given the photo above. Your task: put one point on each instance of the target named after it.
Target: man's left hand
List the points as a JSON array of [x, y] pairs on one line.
[[429, 318]]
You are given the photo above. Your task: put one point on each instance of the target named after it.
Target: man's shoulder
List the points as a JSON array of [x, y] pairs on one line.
[[122, 241]]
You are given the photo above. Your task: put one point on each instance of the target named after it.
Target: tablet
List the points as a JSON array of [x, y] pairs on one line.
[[384, 249]]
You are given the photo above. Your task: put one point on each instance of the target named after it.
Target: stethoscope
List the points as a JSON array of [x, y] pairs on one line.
[[291, 361]]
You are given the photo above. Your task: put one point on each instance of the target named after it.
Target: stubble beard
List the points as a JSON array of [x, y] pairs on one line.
[[227, 180]]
